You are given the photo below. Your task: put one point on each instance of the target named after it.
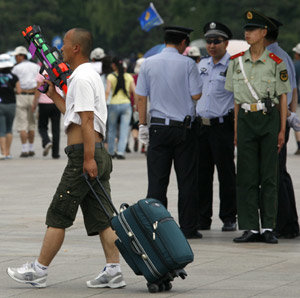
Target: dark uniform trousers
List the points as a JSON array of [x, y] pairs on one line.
[[287, 217], [178, 144], [257, 168], [216, 147], [46, 112]]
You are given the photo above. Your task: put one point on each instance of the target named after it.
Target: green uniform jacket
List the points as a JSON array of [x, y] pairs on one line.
[[273, 78]]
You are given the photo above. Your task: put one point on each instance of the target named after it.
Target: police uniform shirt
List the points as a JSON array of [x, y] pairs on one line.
[[169, 79], [215, 100], [278, 51], [27, 72], [264, 75]]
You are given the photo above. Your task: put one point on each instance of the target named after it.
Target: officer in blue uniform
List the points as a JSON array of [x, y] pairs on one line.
[[216, 130], [287, 218], [172, 83]]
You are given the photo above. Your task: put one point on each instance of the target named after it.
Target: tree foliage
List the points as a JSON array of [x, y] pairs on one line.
[[115, 25]]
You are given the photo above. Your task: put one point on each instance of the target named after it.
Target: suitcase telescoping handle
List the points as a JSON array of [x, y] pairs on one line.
[[86, 177]]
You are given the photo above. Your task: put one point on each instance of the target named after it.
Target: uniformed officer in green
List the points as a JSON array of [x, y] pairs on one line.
[[259, 81]]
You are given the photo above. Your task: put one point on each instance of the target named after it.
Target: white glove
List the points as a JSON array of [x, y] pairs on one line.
[[144, 134], [294, 121]]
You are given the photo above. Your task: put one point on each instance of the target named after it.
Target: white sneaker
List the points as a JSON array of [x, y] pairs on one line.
[[27, 275], [105, 280], [47, 149], [2, 157]]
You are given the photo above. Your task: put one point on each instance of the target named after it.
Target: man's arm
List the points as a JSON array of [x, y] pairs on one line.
[[142, 109], [294, 102], [88, 136], [283, 114]]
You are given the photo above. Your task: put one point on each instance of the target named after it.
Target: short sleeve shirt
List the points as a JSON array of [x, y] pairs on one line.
[[27, 72], [120, 97], [215, 101], [85, 93], [169, 79], [265, 76]]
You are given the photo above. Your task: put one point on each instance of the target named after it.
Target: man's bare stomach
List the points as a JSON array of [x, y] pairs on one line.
[[74, 134]]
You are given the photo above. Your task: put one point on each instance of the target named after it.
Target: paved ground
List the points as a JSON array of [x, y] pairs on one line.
[[221, 268]]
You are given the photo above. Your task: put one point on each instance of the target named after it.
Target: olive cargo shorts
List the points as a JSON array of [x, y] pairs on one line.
[[73, 191]]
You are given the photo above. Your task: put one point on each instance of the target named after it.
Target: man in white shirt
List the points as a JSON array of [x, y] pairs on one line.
[[27, 72], [84, 120]]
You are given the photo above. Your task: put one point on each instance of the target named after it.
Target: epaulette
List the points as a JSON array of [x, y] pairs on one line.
[[237, 55], [275, 58]]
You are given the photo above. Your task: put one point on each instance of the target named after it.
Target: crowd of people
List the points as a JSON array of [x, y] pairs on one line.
[[192, 112]]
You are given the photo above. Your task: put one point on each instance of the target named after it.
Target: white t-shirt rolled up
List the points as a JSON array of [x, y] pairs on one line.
[[86, 93]]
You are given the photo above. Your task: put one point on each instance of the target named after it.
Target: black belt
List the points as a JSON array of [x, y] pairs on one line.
[[212, 121], [156, 120], [25, 93], [75, 147]]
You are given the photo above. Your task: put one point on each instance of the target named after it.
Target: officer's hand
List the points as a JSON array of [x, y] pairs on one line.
[[144, 134], [90, 167], [280, 140]]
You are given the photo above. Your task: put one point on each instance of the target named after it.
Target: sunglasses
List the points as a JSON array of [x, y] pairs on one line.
[[214, 41]]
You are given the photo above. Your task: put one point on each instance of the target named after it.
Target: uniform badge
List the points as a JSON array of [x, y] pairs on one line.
[[203, 70], [249, 15], [212, 25], [238, 71], [284, 75], [223, 73]]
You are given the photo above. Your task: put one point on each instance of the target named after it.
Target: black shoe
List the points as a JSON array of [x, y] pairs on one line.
[[269, 237], [55, 156], [195, 235], [248, 236], [31, 153], [120, 156], [229, 226], [24, 154], [127, 149]]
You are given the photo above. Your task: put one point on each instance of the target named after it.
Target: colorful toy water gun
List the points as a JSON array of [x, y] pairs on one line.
[[50, 58]]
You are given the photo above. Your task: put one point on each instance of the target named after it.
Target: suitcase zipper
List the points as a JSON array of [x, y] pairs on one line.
[[160, 221], [149, 238], [138, 246]]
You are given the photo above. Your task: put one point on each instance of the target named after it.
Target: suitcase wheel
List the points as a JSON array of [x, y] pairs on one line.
[[153, 288]]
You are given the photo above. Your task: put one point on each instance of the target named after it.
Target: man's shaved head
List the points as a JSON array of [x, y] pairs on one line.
[[84, 38]]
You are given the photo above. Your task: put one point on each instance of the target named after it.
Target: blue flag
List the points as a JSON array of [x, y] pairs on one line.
[[150, 18]]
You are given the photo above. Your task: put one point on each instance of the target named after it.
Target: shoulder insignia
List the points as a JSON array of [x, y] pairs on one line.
[[275, 58], [284, 75], [237, 55]]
